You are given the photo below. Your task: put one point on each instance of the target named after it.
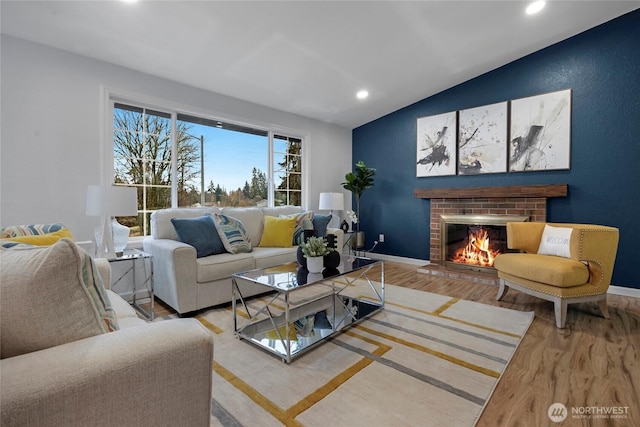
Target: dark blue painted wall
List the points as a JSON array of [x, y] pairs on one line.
[[602, 67]]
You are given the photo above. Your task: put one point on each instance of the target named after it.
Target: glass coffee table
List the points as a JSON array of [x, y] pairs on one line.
[[300, 310]]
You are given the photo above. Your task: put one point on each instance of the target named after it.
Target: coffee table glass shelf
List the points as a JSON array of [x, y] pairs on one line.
[[299, 310]]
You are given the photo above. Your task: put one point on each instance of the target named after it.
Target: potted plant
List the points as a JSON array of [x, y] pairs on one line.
[[314, 250], [357, 182]]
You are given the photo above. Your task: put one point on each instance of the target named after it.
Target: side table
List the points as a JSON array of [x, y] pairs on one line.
[[136, 257], [348, 235], [349, 242]]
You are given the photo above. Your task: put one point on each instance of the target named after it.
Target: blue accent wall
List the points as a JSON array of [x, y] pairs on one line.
[[602, 68]]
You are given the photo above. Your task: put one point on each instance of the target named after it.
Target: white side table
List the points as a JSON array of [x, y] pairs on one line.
[[136, 257]]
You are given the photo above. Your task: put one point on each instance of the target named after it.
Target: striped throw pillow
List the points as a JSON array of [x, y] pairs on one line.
[[92, 281], [298, 232], [233, 234], [30, 230]]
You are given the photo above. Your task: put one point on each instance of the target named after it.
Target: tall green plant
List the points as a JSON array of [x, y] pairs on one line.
[[357, 182]]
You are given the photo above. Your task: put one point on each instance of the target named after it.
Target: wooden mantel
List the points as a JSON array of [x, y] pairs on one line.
[[549, 190]]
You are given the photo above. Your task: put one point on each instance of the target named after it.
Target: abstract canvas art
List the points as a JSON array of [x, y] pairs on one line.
[[541, 132], [482, 140], [436, 145]]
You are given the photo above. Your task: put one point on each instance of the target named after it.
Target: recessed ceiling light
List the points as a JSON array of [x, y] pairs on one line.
[[362, 94], [129, 1], [535, 7]]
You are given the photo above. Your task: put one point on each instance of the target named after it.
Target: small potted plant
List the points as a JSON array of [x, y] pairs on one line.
[[314, 250]]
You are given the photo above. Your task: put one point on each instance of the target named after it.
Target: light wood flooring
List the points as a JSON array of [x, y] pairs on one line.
[[593, 362]]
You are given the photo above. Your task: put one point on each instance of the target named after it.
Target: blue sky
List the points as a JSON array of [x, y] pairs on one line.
[[230, 156]]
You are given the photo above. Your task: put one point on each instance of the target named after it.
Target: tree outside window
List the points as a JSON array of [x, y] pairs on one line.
[[216, 164]]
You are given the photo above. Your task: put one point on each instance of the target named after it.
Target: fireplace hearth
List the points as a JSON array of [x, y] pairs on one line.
[[473, 241]]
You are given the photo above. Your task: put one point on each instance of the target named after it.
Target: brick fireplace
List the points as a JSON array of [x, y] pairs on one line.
[[528, 201]]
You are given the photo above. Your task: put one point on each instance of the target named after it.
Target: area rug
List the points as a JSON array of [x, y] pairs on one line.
[[426, 359]]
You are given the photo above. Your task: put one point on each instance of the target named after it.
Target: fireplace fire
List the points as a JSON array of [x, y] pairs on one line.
[[478, 250], [473, 241]]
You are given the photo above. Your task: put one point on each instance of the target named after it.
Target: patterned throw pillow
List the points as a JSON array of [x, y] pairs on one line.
[[10, 244], [43, 239], [233, 234], [92, 280], [30, 230], [298, 232]]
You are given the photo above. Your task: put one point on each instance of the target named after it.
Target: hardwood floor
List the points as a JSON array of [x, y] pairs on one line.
[[593, 362], [591, 365]]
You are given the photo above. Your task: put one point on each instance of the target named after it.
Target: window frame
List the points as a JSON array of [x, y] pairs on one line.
[[110, 97]]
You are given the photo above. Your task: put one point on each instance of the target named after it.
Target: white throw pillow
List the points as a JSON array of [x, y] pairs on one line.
[[555, 241]]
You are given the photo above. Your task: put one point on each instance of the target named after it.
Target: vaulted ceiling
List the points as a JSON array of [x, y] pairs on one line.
[[308, 57]]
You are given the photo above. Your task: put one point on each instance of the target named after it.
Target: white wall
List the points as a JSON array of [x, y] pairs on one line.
[[51, 131]]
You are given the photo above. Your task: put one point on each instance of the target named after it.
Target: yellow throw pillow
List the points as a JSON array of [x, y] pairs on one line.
[[278, 232], [44, 239]]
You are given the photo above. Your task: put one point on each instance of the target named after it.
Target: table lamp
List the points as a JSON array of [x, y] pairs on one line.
[[109, 201], [331, 202]]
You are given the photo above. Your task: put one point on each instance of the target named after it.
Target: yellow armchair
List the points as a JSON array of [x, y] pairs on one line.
[[578, 272]]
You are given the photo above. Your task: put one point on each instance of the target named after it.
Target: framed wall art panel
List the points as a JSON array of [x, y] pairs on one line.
[[541, 132], [482, 140], [436, 145]]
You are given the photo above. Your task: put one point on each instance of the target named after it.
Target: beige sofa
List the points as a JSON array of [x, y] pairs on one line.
[[83, 375], [188, 283]]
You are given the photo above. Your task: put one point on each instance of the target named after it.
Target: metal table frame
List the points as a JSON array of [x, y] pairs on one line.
[[134, 257], [325, 294]]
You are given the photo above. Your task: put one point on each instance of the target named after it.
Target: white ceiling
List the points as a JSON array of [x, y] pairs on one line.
[[308, 57]]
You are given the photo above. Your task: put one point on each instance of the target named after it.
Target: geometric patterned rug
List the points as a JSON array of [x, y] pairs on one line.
[[426, 359]]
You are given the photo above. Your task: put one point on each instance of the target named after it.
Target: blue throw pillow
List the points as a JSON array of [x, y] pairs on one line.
[[200, 233], [320, 223]]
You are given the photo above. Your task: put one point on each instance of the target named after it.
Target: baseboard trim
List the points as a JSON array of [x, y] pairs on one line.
[[384, 257], [624, 291]]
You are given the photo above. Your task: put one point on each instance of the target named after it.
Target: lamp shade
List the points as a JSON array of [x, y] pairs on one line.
[[123, 201], [96, 200], [331, 201], [111, 200]]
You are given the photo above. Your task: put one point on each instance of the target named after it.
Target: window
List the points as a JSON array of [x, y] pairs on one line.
[[287, 160], [231, 168], [179, 160], [142, 148]]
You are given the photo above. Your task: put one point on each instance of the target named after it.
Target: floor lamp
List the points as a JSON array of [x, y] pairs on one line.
[[331, 202], [109, 201]]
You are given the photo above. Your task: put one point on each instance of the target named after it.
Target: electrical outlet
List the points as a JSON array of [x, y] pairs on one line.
[[381, 238]]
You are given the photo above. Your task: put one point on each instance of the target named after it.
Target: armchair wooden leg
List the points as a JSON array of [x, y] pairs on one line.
[[602, 304], [560, 308], [502, 290]]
